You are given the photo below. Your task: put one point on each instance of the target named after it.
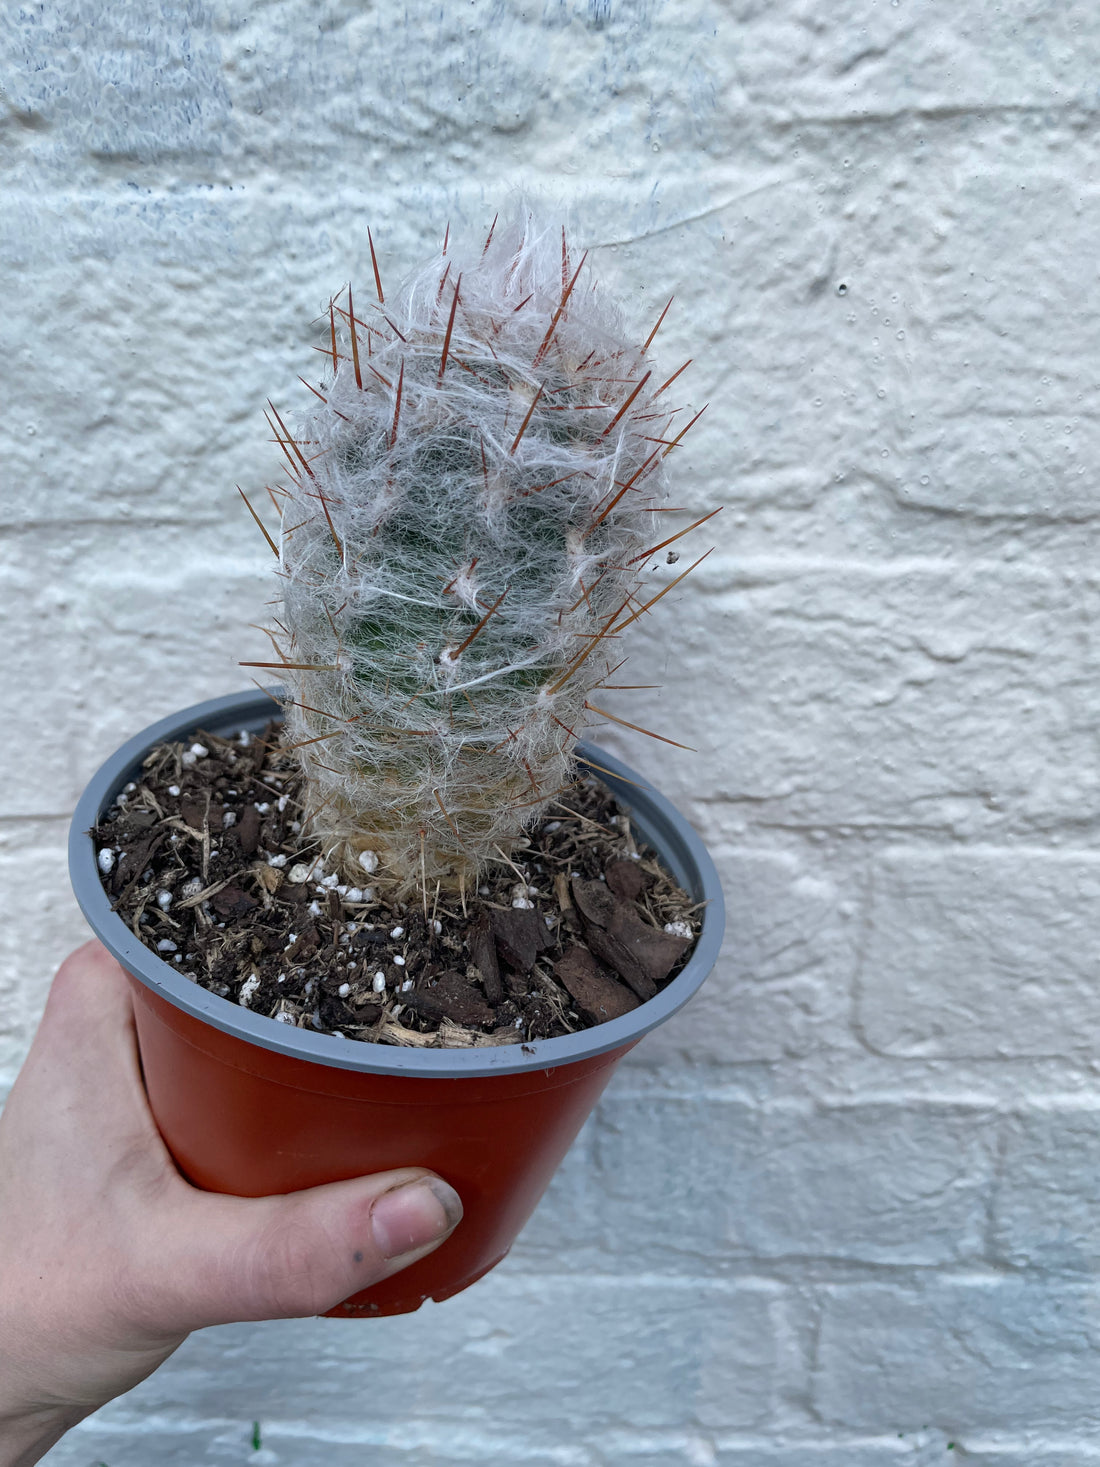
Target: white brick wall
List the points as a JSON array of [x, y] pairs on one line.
[[844, 1211]]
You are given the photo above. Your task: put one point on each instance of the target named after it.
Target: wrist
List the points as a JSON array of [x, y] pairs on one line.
[[26, 1436]]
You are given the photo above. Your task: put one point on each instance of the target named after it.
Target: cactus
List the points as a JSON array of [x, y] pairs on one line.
[[470, 508]]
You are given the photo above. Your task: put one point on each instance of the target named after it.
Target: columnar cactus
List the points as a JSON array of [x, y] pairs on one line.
[[472, 499]]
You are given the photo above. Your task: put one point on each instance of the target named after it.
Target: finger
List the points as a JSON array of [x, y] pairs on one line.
[[88, 1021], [220, 1259], [81, 1085], [89, 988]]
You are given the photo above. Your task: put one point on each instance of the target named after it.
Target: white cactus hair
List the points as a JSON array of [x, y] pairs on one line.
[[462, 536]]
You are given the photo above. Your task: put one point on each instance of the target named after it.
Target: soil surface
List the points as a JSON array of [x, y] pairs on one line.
[[205, 859]]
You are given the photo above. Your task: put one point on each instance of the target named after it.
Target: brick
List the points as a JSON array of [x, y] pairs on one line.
[[512, 1356], [857, 63], [989, 434], [292, 1444], [748, 1451], [164, 94], [236, 97], [884, 1451], [126, 628], [696, 1184], [985, 953], [183, 1442], [1025, 1451], [121, 435], [178, 1444], [880, 399], [782, 979], [807, 414], [1048, 1193], [232, 95], [997, 1354], [928, 697]]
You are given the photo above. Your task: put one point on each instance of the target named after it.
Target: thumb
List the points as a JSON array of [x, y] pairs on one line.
[[223, 1259]]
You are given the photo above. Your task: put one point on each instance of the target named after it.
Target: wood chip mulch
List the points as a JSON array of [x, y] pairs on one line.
[[205, 859]]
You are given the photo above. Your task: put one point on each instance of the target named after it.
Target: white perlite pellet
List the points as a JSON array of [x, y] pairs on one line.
[[106, 860]]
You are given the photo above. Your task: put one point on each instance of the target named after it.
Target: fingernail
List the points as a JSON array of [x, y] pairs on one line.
[[411, 1216]]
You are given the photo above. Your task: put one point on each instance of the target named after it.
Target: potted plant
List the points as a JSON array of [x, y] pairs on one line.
[[472, 513]]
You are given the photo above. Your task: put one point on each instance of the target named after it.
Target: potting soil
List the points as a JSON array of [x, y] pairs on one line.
[[206, 860]]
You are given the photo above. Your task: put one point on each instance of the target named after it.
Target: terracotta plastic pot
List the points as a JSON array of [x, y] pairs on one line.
[[253, 1107]]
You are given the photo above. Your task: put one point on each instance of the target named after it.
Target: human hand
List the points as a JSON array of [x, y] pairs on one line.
[[109, 1259]]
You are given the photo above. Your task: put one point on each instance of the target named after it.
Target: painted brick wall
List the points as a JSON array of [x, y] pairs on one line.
[[845, 1211]]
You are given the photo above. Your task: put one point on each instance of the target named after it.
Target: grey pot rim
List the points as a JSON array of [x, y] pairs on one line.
[[654, 817]]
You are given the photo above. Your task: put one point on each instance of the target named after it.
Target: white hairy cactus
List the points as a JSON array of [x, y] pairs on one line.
[[470, 509]]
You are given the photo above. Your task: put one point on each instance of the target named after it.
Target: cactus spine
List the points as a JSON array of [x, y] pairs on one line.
[[461, 539]]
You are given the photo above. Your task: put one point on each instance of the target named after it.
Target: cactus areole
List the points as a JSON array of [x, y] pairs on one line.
[[464, 534]]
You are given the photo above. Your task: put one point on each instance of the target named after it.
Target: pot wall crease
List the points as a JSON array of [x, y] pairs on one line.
[[843, 1209]]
